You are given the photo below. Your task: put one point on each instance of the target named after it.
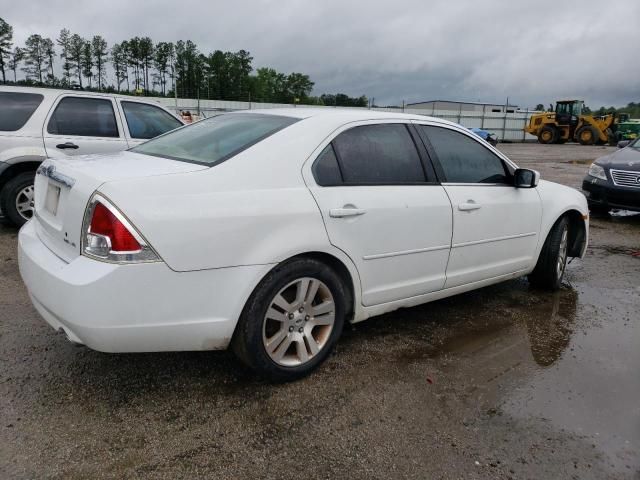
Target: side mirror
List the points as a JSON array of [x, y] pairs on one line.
[[525, 178], [623, 143]]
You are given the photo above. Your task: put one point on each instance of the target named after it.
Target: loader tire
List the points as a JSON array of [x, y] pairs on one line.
[[548, 135], [587, 136]]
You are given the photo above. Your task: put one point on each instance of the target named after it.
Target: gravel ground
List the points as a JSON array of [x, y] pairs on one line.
[[504, 382]]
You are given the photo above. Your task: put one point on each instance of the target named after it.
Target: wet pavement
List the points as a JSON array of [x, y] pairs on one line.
[[503, 382]]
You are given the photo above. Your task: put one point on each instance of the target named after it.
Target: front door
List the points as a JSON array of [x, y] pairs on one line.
[[381, 206], [495, 224], [79, 125]]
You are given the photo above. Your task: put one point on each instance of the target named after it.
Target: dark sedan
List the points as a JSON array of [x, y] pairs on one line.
[[613, 181]]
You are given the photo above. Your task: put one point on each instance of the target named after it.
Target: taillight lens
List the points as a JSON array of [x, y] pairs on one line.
[[103, 222], [109, 236]]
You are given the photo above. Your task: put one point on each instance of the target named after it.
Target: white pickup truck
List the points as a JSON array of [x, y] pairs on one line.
[[36, 123]]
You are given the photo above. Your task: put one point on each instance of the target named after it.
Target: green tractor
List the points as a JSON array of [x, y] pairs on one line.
[[628, 128]]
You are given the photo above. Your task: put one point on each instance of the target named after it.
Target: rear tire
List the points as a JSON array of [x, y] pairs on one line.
[[548, 135], [286, 330], [16, 199], [553, 258]]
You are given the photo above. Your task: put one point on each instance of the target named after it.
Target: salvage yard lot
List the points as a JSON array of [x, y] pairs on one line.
[[504, 382]]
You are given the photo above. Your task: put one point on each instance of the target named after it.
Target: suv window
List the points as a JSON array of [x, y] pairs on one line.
[[463, 159], [378, 154], [16, 108], [85, 117], [147, 121]]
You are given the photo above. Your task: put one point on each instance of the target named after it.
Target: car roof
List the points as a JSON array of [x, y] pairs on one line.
[[341, 114], [55, 92]]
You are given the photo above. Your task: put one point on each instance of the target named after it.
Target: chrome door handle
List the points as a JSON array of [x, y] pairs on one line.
[[346, 212], [468, 206]]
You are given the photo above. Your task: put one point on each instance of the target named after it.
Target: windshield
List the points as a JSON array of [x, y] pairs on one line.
[[215, 139], [635, 143], [571, 108]]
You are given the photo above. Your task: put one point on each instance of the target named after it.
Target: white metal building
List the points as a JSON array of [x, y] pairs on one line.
[[435, 105]]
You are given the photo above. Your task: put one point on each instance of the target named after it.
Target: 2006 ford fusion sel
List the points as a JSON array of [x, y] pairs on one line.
[[267, 230]]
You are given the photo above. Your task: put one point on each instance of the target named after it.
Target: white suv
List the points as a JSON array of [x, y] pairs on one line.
[[36, 123]]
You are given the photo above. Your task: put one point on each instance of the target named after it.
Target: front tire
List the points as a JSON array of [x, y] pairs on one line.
[[16, 199], [587, 136], [292, 320], [553, 258], [548, 135]]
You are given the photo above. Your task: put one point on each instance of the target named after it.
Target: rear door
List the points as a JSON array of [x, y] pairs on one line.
[[381, 205], [80, 125], [496, 225], [143, 121]]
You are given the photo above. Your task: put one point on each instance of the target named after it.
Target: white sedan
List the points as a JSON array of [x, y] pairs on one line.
[[267, 230]]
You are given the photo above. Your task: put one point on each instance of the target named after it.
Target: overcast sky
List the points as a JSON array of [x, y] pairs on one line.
[[412, 50]]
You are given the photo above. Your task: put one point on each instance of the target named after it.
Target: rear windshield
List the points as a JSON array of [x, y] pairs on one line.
[[16, 108], [216, 139]]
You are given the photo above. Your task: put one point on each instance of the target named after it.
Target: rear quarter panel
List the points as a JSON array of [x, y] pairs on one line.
[[251, 209]]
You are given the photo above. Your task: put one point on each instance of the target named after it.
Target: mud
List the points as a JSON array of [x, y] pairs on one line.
[[503, 382]]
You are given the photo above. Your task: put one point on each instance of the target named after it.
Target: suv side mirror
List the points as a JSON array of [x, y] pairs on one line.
[[525, 178], [623, 143]]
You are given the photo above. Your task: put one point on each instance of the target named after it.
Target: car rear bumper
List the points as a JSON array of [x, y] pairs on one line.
[[607, 195], [143, 307]]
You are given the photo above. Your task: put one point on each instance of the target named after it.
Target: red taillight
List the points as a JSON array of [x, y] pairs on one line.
[[103, 222]]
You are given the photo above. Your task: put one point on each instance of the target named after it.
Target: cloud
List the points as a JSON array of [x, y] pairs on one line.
[[403, 50]]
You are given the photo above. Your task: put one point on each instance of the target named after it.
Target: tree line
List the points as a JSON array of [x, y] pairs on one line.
[[140, 66]]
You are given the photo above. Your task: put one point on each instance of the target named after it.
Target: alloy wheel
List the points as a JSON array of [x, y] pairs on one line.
[[24, 202], [299, 322], [562, 253]]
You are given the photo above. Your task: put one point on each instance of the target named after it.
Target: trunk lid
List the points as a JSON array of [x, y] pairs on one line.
[[63, 187]]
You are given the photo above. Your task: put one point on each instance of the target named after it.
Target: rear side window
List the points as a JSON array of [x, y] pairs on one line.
[[326, 169], [84, 117], [147, 121], [463, 159], [215, 139], [378, 154], [16, 108]]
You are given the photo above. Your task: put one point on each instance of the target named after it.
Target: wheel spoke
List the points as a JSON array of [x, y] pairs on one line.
[[327, 319], [282, 349], [274, 314], [324, 307], [312, 292], [276, 339], [313, 345], [301, 292], [281, 302], [301, 349]]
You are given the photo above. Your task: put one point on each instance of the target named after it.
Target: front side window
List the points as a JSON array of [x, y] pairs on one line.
[[84, 117], [215, 139], [463, 159], [378, 154], [16, 108], [147, 121]]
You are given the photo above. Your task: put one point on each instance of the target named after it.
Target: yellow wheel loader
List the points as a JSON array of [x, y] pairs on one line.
[[569, 123]]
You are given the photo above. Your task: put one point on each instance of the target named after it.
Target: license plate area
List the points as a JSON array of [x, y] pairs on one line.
[[52, 199]]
